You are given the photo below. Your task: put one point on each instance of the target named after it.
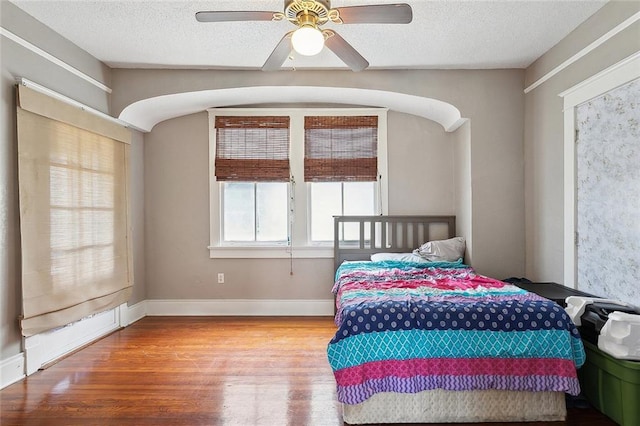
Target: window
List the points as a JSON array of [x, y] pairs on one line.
[[280, 175], [255, 212], [252, 166], [341, 164], [330, 199], [75, 226]]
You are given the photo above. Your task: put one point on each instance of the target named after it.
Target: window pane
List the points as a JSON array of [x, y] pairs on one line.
[[326, 202], [359, 200], [239, 217], [272, 199]]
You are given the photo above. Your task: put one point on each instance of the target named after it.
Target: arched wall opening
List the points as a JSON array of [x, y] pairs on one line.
[[146, 113]]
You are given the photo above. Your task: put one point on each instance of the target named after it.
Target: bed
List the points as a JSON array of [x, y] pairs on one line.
[[431, 341]]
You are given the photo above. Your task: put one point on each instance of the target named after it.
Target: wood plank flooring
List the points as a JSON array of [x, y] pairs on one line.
[[197, 371]]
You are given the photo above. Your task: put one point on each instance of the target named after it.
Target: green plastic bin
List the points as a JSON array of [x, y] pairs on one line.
[[611, 385]]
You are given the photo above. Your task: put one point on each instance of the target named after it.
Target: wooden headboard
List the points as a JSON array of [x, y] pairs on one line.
[[366, 235]]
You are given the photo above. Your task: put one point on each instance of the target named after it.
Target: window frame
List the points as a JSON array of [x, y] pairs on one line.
[[300, 245]]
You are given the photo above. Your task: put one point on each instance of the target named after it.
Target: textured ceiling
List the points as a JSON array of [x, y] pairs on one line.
[[443, 34]]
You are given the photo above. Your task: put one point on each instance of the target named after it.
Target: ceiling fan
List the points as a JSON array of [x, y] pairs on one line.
[[309, 38]]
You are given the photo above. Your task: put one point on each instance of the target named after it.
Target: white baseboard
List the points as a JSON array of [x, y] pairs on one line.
[[131, 314], [11, 370], [46, 347], [239, 307]]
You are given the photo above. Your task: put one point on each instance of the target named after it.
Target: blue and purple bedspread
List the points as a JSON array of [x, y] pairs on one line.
[[408, 327]]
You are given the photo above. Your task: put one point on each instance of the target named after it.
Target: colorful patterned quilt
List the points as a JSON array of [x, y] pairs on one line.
[[408, 327]]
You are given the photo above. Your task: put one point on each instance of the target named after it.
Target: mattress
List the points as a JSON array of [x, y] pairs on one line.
[[442, 406]]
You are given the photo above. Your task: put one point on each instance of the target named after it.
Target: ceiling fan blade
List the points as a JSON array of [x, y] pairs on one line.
[[221, 16], [279, 54], [345, 51], [400, 13]]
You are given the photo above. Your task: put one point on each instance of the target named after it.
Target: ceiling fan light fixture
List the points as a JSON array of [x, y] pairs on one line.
[[307, 40]]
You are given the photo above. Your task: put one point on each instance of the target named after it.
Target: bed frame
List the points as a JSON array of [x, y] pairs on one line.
[[403, 234], [388, 234]]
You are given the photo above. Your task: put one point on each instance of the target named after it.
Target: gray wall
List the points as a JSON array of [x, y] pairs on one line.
[[16, 61], [464, 206], [136, 179], [177, 212], [423, 172], [543, 138]]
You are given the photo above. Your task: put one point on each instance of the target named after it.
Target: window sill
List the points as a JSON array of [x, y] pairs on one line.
[[309, 252]]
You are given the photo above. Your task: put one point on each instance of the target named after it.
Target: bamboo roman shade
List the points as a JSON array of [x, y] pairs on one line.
[[252, 148], [74, 219], [340, 149]]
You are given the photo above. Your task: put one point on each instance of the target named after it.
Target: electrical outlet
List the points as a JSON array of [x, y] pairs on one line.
[[220, 277]]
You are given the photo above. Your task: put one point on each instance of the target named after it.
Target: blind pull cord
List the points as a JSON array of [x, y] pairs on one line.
[[292, 203], [380, 194]]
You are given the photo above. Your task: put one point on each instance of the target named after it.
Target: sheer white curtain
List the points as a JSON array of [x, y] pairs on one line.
[[74, 215]]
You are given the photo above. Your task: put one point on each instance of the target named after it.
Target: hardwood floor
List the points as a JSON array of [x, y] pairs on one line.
[[197, 371]]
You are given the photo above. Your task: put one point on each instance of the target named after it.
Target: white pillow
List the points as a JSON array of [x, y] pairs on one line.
[[442, 250], [401, 257]]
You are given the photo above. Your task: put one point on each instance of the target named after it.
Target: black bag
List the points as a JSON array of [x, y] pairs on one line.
[[596, 315]]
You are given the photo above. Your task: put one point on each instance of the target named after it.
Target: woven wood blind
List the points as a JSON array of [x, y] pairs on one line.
[[74, 219], [340, 149], [252, 149]]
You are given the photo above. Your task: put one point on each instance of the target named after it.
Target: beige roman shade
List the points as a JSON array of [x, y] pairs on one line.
[[252, 149], [74, 214], [340, 149]]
